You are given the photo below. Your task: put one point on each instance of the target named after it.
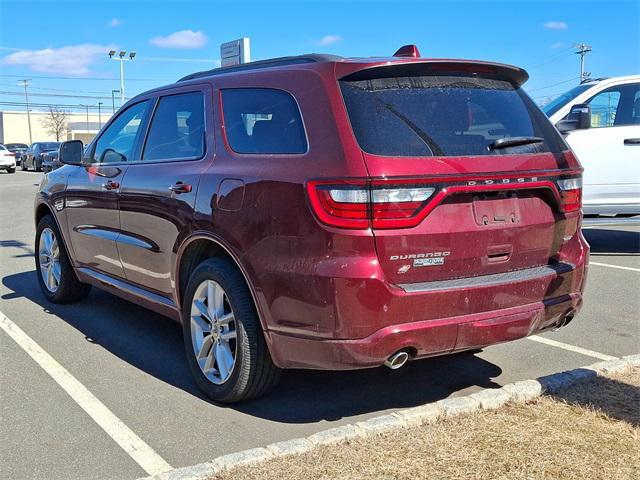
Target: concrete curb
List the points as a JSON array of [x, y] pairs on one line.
[[488, 399]]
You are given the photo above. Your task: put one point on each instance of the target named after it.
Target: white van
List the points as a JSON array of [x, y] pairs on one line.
[[601, 122]]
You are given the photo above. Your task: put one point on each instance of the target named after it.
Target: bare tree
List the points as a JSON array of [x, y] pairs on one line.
[[56, 122]]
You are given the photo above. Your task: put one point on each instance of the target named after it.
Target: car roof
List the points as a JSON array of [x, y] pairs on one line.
[[598, 81], [514, 73]]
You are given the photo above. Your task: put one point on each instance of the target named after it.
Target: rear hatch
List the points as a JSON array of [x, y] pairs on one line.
[[468, 177]]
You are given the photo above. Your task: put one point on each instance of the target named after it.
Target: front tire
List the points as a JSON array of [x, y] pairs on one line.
[[225, 347], [56, 276], [11, 170]]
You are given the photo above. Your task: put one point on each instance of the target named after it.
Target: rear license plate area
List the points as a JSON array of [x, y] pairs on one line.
[[496, 208]]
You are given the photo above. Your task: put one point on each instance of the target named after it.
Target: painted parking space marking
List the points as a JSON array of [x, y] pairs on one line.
[[134, 446], [619, 267], [571, 348]]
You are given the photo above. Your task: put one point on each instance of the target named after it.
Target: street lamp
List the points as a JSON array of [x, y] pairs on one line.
[[121, 57], [99, 115], [113, 100]]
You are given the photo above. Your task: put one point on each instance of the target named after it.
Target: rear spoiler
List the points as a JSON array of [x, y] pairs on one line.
[[494, 71]]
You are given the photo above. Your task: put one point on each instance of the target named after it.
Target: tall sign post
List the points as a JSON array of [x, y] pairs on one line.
[[235, 52]]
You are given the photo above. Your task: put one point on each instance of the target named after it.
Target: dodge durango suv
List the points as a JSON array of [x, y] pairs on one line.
[[320, 212]]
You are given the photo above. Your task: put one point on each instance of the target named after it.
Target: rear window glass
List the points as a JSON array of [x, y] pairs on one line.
[[263, 120], [444, 116]]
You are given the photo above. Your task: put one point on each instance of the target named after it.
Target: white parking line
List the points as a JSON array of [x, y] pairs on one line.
[[615, 266], [571, 348], [137, 449]]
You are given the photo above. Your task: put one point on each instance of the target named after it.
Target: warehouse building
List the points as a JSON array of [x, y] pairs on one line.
[[14, 126]]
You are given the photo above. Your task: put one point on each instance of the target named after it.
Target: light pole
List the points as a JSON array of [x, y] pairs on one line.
[[113, 100], [99, 115], [25, 83], [87, 123], [121, 58]]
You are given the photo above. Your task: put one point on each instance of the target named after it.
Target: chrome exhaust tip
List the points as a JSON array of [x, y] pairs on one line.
[[396, 360], [565, 320]]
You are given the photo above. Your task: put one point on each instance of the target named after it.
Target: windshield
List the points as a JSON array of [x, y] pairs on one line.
[[557, 103], [445, 116], [49, 146]]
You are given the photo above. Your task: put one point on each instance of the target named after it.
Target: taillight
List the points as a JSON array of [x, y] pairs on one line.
[[344, 205], [361, 205], [396, 206], [570, 193]]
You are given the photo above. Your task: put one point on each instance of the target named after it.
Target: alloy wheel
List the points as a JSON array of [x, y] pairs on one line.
[[49, 257], [213, 332]]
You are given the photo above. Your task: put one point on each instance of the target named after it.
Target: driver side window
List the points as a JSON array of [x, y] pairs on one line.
[[117, 143]]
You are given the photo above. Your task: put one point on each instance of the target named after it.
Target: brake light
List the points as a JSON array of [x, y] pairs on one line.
[[570, 193], [361, 205]]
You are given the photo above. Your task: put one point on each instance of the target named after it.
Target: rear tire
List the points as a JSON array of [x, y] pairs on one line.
[[217, 291], [23, 165], [56, 277]]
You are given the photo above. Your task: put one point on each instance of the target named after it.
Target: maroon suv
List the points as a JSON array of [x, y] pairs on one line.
[[325, 213]]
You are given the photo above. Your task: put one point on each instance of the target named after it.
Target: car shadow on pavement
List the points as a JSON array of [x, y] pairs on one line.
[[612, 242], [153, 344]]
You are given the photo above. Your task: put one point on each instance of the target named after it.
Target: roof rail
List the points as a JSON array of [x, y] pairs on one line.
[[260, 64], [599, 79]]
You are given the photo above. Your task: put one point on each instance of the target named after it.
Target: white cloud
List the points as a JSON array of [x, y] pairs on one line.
[[330, 39], [115, 22], [70, 60], [555, 25], [181, 39], [558, 45]]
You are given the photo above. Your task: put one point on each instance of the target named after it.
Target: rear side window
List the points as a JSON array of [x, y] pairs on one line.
[[263, 121], [177, 128], [444, 116]]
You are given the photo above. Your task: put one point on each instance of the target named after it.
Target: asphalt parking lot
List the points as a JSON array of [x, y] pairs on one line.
[[131, 361]]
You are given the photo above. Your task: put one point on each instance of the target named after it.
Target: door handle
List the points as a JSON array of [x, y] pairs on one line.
[[110, 185], [632, 141], [180, 187]]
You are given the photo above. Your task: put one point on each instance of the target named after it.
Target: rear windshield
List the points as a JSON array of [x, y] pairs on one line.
[[444, 116], [17, 146]]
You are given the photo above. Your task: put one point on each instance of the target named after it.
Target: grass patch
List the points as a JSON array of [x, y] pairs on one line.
[[590, 431]]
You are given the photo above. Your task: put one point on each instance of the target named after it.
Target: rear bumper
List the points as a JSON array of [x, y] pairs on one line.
[[436, 321], [426, 338]]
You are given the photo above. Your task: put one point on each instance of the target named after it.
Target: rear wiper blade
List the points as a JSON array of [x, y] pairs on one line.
[[513, 142]]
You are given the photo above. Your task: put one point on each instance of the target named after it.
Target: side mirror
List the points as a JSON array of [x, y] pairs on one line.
[[71, 152], [579, 118]]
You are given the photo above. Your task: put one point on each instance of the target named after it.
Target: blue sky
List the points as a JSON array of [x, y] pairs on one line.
[[68, 41]]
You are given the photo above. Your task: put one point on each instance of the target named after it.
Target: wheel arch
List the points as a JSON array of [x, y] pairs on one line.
[[42, 209], [198, 247]]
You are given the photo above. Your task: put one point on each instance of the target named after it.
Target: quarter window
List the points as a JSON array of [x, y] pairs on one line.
[[177, 128], [263, 121], [117, 143]]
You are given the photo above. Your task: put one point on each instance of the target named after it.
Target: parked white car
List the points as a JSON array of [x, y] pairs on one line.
[[601, 122], [7, 160]]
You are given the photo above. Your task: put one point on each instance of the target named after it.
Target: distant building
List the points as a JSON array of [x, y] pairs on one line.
[[14, 127]]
